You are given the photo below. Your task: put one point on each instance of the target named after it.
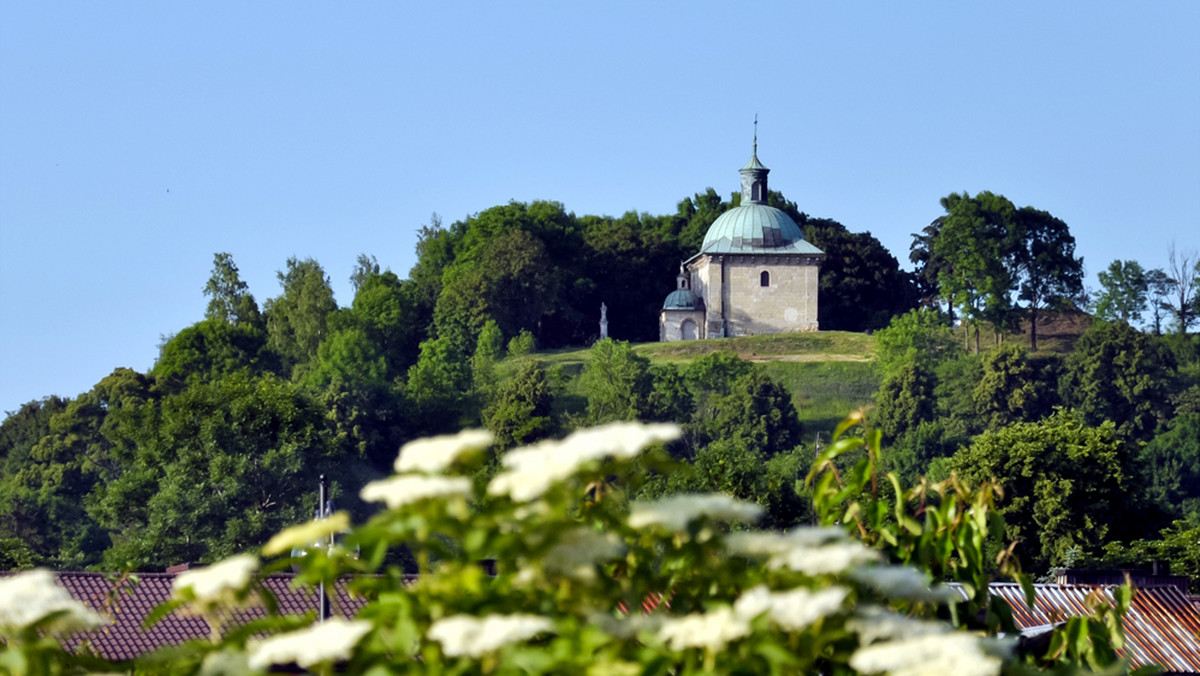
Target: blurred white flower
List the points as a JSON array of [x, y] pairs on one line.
[[330, 641], [813, 551], [793, 610], [436, 454], [712, 630], [309, 534], [957, 653], [466, 635], [215, 581], [406, 489], [900, 582], [532, 470], [676, 512], [767, 543], [578, 550], [873, 623], [832, 558], [30, 596]]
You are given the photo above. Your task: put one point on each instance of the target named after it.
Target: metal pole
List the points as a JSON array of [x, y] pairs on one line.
[[322, 512]]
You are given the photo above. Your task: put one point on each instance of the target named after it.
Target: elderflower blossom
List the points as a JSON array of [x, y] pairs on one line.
[[712, 630], [957, 653], [766, 543], [676, 512], [465, 635], [900, 582], [215, 581], [310, 534], [329, 641], [402, 490], [437, 454], [28, 597], [873, 623], [532, 470], [578, 550], [792, 610], [813, 551]]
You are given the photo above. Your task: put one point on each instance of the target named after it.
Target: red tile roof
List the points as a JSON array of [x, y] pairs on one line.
[[128, 603]]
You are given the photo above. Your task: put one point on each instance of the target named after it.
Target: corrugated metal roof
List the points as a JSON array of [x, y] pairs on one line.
[[1161, 627]]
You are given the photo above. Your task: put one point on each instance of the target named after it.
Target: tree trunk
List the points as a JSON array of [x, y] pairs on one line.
[[1032, 328]]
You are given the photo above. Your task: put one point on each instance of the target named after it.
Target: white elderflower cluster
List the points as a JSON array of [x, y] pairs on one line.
[[712, 630], [957, 653], [330, 641], [676, 512], [578, 550], [873, 623], [437, 454], [28, 597], [309, 534], [406, 489], [901, 582], [812, 551], [469, 636], [213, 583], [792, 610], [532, 470]]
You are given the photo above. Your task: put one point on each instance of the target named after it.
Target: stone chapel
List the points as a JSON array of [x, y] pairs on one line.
[[754, 274]]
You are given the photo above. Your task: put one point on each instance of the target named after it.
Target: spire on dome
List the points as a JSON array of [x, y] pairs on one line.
[[754, 175]]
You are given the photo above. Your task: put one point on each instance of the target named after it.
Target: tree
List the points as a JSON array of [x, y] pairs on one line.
[[1048, 272], [1123, 289], [229, 301], [1171, 465], [385, 308], [1012, 389], [1065, 483], [757, 412], [905, 399], [520, 411], [617, 382], [296, 320], [928, 266], [1119, 374], [1158, 286], [1183, 270], [210, 350], [975, 245], [218, 469], [439, 386], [921, 336], [365, 267]]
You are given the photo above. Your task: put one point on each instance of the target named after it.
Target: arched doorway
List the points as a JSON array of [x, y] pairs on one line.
[[687, 330]]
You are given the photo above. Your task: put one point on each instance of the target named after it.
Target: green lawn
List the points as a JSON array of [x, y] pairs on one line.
[[829, 373]]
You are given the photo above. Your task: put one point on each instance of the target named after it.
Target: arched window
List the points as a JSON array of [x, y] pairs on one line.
[[764, 279]]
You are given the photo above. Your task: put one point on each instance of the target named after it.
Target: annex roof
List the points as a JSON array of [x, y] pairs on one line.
[[1162, 626]]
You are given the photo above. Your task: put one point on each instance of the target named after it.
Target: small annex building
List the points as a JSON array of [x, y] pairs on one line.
[[754, 274]]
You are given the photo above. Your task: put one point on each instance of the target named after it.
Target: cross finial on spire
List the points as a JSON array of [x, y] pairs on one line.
[[756, 134]]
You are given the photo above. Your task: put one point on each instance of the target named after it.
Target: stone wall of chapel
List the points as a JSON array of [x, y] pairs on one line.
[[706, 283], [670, 323], [787, 304]]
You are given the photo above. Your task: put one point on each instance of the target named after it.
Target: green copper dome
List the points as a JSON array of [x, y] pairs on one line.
[[682, 299], [756, 228]]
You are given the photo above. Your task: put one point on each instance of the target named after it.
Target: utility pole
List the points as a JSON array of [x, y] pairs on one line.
[[324, 511]]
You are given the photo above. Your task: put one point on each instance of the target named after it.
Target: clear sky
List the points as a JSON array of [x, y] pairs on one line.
[[137, 139]]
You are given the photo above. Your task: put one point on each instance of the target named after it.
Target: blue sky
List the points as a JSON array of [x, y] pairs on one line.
[[137, 139]]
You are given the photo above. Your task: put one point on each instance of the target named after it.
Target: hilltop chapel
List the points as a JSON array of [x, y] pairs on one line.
[[754, 274]]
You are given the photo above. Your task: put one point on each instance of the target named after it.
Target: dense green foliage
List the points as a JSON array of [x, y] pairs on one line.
[[216, 445]]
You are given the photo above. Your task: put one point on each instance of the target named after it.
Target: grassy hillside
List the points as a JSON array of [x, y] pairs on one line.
[[829, 373]]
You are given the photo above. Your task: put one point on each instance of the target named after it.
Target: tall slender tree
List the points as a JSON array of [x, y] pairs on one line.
[[230, 300], [1049, 273]]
